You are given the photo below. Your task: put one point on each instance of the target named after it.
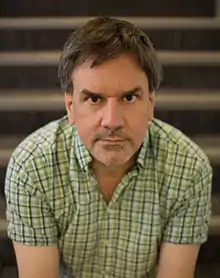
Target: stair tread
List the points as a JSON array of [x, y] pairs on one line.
[[165, 99], [35, 58], [40, 23]]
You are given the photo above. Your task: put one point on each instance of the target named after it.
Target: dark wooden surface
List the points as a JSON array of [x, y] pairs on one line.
[[118, 8]]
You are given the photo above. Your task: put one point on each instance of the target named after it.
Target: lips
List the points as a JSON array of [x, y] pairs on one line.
[[113, 139]]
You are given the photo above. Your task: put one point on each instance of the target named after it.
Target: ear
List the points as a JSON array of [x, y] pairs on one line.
[[151, 104], [68, 98]]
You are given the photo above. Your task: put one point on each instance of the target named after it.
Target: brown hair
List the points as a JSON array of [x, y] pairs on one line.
[[106, 38]]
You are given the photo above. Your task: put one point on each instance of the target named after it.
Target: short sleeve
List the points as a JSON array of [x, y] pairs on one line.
[[189, 222], [30, 220]]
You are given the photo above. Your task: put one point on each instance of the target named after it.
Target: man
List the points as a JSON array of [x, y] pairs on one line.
[[108, 191]]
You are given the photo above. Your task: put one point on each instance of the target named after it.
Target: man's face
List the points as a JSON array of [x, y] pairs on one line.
[[111, 107]]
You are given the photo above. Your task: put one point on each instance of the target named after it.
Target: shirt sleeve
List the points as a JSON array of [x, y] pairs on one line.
[[30, 220], [189, 221]]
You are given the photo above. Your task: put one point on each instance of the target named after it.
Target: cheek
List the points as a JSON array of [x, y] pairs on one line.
[[86, 128], [139, 123], [139, 117], [140, 130], [85, 133], [85, 115]]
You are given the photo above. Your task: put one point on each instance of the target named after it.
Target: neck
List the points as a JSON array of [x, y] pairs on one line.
[[111, 172]]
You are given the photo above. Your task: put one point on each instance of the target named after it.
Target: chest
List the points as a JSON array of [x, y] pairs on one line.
[[107, 191], [122, 235]]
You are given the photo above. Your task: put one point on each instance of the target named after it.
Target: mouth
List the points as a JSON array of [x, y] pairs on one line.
[[112, 141]]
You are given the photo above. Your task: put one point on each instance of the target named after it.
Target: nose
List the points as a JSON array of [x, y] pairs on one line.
[[112, 116]]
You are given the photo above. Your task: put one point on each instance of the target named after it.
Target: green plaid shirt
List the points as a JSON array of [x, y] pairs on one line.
[[53, 198]]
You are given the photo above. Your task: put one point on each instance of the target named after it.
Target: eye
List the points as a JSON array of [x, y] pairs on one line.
[[130, 98], [94, 99]]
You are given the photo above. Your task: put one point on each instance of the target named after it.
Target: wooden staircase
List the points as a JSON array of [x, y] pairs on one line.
[[189, 98]]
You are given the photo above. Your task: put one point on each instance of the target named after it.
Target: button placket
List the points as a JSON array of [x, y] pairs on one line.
[[110, 210]]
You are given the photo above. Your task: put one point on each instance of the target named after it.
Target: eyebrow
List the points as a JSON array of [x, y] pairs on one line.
[[86, 92]]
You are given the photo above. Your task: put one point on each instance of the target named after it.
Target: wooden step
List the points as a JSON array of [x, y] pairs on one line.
[[161, 23], [3, 223], [51, 58], [184, 8], [191, 122], [172, 40], [50, 100], [45, 77], [165, 33]]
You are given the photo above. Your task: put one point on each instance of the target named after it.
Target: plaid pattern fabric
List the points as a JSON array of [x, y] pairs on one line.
[[53, 198]]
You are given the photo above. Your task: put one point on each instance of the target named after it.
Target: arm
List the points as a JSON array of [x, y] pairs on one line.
[[187, 229], [31, 224], [177, 261], [37, 261]]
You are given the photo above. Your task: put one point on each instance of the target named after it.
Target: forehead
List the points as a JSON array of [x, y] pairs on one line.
[[116, 75]]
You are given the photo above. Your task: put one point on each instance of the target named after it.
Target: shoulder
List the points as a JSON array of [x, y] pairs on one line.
[[179, 158], [42, 150], [43, 141], [172, 140]]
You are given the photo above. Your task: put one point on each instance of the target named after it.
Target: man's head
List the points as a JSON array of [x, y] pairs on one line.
[[109, 71]]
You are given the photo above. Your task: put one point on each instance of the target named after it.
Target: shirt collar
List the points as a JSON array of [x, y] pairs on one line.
[[81, 153], [141, 158]]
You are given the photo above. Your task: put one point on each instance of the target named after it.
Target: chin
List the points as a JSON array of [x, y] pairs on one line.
[[114, 163], [113, 156]]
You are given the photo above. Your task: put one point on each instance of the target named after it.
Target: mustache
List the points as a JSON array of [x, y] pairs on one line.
[[111, 134]]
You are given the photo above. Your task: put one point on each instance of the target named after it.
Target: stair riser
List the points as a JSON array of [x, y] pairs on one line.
[[45, 77], [210, 254], [187, 8], [190, 122], [162, 39], [7, 254]]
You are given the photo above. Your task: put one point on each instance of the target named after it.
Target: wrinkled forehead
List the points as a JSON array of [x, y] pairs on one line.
[[117, 75]]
